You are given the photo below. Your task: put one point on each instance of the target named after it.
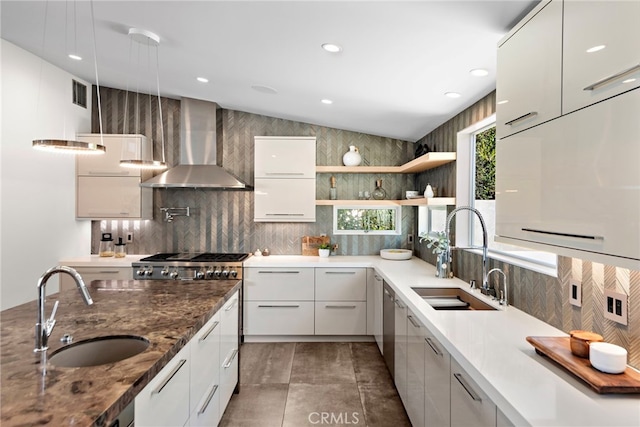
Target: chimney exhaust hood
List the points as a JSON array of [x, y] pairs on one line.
[[198, 152]]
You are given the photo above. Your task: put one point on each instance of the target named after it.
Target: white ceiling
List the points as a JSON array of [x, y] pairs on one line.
[[398, 58]]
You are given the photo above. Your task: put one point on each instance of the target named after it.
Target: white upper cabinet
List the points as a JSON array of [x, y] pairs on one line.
[[119, 147], [285, 157], [529, 74], [601, 51], [285, 179]]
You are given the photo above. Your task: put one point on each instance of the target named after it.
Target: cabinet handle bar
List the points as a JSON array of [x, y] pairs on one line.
[[229, 360], [285, 173], [555, 233], [170, 376], [413, 322], [109, 173], [233, 304], [523, 117], [612, 78], [285, 214], [206, 334], [398, 303], [340, 306], [467, 388], [209, 397], [433, 346], [278, 306], [339, 272], [279, 272]]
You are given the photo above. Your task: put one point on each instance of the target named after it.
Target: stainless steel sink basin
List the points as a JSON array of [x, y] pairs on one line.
[[99, 351], [451, 299]]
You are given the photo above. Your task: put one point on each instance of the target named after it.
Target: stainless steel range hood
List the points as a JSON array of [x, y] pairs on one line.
[[198, 152]]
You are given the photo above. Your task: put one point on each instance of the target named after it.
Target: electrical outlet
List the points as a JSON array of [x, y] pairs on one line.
[[575, 292], [615, 306], [410, 239], [129, 238]]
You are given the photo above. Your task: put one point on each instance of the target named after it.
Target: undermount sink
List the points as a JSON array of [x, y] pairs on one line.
[[452, 299], [99, 351]]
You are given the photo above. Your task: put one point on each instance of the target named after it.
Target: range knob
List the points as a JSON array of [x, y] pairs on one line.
[[174, 274], [200, 274], [149, 272], [225, 273], [209, 272], [165, 271], [140, 272], [218, 272], [234, 273]]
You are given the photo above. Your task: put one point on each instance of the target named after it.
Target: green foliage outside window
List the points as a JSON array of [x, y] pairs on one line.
[[367, 219], [486, 164]]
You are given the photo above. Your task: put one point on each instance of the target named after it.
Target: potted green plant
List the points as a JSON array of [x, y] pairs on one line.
[[324, 249]]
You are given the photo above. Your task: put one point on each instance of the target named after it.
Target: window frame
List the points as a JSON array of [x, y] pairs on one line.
[[398, 220]]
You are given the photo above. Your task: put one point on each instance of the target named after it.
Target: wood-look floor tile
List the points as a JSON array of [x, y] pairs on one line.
[[369, 365], [323, 404], [322, 363], [256, 405], [266, 363], [382, 406]]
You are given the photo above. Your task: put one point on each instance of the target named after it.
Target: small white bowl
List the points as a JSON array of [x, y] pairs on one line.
[[607, 357], [410, 194]]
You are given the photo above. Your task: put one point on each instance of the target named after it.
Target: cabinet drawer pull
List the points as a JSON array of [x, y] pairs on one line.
[[285, 173], [285, 214], [279, 272], [433, 346], [108, 272], [555, 233], [340, 306], [206, 334], [413, 322], [233, 304], [209, 397], [108, 214], [278, 306], [378, 278], [339, 272], [229, 360], [467, 388], [397, 301], [612, 78], [169, 377], [109, 173], [523, 117]]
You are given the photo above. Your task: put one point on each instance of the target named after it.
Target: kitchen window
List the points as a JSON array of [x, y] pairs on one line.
[[366, 220], [475, 187]]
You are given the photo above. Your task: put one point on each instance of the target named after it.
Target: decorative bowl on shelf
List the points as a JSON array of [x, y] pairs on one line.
[[396, 254]]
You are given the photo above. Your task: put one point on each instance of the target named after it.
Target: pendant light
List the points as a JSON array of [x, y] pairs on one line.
[[64, 145], [150, 40]]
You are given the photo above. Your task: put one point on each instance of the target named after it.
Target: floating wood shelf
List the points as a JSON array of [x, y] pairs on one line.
[[422, 163], [435, 201]]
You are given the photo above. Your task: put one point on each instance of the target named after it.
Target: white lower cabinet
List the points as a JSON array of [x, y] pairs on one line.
[[415, 370], [165, 400], [341, 318], [470, 406], [400, 349], [88, 274], [195, 387], [437, 383]]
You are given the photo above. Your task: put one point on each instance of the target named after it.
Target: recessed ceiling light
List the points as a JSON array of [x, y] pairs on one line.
[[202, 79], [503, 102], [331, 47], [75, 57], [629, 81], [595, 48], [452, 94], [264, 89], [326, 101], [479, 72]]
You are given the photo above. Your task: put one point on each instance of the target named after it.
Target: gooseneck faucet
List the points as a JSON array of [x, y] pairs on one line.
[[504, 297], [45, 327], [485, 281]]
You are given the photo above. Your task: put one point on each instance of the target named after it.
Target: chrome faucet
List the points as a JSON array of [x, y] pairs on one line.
[[485, 281], [45, 327], [504, 297]]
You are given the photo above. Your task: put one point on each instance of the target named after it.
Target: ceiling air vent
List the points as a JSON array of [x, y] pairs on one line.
[[79, 94]]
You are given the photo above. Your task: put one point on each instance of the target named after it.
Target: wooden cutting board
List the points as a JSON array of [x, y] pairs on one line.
[[310, 244], [557, 349]]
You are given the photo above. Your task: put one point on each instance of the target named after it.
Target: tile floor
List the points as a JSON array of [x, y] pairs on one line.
[[314, 384]]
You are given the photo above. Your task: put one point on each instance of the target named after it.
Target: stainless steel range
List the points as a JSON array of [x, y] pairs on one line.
[[189, 266]]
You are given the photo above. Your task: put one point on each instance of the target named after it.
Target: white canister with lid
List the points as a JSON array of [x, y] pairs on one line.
[[607, 357]]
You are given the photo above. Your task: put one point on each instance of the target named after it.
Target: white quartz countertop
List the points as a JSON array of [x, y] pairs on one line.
[[491, 346], [98, 261]]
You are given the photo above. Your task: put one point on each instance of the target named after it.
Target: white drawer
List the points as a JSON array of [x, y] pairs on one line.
[[278, 284], [341, 318], [165, 400], [341, 284], [205, 358], [278, 318]]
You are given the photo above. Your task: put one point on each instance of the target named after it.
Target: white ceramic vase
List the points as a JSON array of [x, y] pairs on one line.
[[352, 157], [324, 253]]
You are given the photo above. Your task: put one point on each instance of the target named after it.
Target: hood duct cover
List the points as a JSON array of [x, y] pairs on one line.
[[198, 152]]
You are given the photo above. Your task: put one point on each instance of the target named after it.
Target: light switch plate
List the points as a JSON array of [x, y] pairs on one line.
[[575, 292], [615, 306]]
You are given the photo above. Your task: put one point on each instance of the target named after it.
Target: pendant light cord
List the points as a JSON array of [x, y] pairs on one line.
[[159, 102], [95, 63]]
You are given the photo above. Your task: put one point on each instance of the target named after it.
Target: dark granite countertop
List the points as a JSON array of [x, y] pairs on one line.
[[167, 313]]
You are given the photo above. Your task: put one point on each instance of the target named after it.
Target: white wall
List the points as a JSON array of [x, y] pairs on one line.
[[37, 189]]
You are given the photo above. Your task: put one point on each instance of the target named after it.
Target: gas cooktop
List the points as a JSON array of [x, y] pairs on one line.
[[196, 257]]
